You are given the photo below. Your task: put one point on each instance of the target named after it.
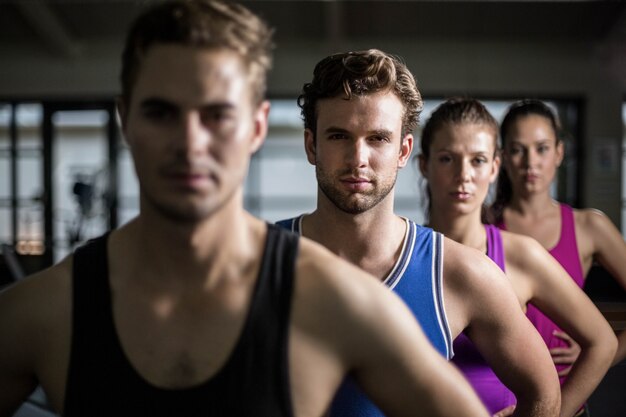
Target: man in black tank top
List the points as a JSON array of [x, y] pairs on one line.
[[195, 307]]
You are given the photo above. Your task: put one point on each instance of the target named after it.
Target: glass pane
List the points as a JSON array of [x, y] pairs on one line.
[[5, 176], [30, 228], [5, 155], [29, 178], [128, 185], [5, 225], [29, 119], [5, 120], [125, 215], [29, 114], [80, 178]]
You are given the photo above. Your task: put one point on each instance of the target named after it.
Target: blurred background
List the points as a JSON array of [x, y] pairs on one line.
[[66, 174]]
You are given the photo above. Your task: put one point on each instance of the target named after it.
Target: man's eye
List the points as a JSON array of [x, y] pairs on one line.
[[336, 136], [158, 113], [380, 139], [217, 116]]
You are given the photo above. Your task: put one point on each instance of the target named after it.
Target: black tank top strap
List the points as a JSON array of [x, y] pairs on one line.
[[269, 316]]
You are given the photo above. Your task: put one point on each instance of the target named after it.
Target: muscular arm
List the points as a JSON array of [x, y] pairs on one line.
[[482, 301], [34, 329], [17, 368], [609, 249], [372, 334], [560, 299]]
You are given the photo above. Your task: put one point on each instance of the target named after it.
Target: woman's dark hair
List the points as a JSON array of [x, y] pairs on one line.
[[516, 111], [456, 111]]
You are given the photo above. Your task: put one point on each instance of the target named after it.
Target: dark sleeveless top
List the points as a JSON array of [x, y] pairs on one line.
[[254, 381]]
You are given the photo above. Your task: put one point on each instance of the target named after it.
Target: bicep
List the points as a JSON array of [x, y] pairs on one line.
[[508, 341], [609, 245], [17, 376], [403, 372]]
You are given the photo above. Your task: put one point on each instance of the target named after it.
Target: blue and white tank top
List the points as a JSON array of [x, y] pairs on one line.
[[417, 277]]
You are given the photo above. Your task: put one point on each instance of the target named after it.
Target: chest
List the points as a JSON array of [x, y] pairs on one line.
[[545, 230], [178, 346]]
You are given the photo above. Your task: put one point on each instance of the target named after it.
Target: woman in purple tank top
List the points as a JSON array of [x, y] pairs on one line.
[[532, 152], [459, 161]]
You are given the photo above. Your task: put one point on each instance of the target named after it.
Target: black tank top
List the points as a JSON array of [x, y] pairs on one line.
[[254, 381]]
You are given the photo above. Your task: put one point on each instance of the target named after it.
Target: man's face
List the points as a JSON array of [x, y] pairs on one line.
[[191, 127], [358, 150]]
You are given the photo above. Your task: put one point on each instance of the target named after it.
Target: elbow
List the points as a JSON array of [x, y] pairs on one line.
[[604, 350], [613, 348], [553, 403], [604, 346], [544, 400], [550, 397], [608, 346], [616, 348], [550, 404]]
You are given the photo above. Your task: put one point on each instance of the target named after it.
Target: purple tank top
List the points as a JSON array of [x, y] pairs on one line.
[[493, 393]]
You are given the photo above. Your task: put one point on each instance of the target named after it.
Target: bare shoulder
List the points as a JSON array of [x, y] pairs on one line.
[[522, 249], [468, 269], [35, 327], [50, 284], [40, 303], [475, 288], [326, 278], [593, 221], [339, 302]]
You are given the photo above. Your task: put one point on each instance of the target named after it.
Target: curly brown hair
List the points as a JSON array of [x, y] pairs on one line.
[[360, 73]]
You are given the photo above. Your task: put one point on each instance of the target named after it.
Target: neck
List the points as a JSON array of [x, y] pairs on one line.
[[531, 204], [196, 254], [371, 240], [466, 229]]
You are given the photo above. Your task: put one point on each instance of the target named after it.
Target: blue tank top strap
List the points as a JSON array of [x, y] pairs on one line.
[[294, 224]]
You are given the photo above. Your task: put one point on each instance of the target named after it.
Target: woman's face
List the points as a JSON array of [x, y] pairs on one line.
[[531, 154], [461, 166]]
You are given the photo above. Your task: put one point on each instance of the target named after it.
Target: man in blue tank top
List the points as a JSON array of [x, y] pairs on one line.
[[359, 113], [195, 307]]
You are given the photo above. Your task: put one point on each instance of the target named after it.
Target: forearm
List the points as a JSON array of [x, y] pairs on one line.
[[584, 377], [620, 355]]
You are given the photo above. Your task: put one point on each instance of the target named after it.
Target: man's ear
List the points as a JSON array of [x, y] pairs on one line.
[[406, 147], [122, 114], [309, 146], [120, 105], [261, 117]]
